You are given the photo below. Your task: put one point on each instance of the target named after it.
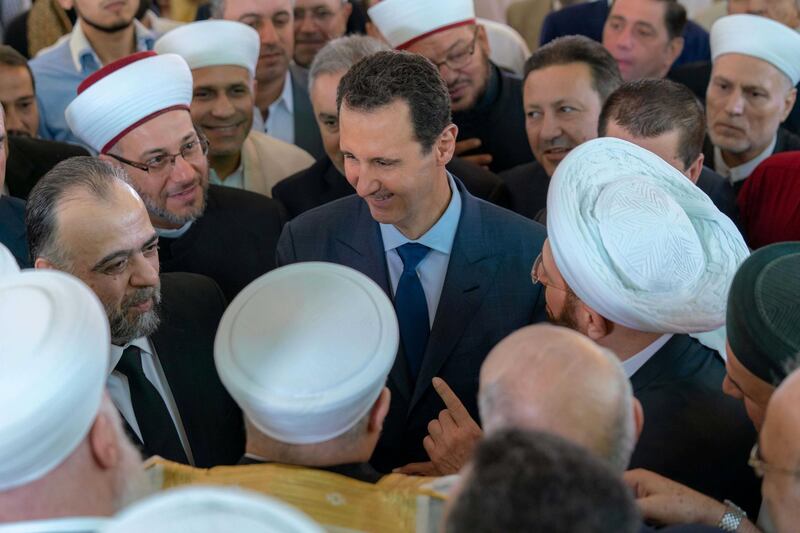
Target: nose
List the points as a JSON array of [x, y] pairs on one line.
[[625, 39], [735, 103], [361, 178], [222, 107], [145, 272], [551, 128], [182, 171], [267, 33], [730, 389]]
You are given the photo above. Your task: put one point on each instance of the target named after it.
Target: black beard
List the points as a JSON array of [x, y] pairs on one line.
[[116, 28]]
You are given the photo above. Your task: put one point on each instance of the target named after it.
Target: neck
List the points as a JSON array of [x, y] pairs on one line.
[[225, 164], [429, 214], [626, 342], [337, 451], [734, 160], [268, 92], [111, 46]]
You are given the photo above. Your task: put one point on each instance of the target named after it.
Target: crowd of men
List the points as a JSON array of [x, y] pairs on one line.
[[366, 240]]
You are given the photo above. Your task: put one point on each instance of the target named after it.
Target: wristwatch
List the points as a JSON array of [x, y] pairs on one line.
[[733, 517]]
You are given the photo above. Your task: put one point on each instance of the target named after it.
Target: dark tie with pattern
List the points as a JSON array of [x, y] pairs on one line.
[[411, 306], [155, 423]]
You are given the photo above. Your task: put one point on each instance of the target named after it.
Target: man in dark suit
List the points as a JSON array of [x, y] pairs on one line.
[[566, 83], [83, 218], [324, 181], [664, 117], [589, 19], [456, 266]]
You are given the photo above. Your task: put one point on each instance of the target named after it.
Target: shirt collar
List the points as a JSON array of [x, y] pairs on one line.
[[741, 172], [213, 177], [440, 237], [174, 233], [116, 351], [633, 364], [85, 59], [287, 97]]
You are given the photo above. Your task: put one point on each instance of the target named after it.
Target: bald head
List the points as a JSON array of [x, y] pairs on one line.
[[554, 379]]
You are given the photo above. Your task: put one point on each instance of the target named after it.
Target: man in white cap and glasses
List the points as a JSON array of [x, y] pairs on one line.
[[222, 55], [135, 113], [637, 257], [65, 461], [310, 378], [752, 90], [486, 100]]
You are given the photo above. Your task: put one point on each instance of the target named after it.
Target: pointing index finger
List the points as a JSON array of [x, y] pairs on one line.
[[451, 401]]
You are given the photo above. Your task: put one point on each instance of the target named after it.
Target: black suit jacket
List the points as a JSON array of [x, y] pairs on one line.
[[487, 294], [527, 186], [29, 159], [191, 308], [12, 229], [322, 183], [694, 433], [306, 129], [721, 193], [232, 243]]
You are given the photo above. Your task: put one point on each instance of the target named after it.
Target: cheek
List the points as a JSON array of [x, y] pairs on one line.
[[755, 412]]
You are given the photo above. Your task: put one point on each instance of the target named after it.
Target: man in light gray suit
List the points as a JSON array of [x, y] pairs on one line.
[[458, 268]]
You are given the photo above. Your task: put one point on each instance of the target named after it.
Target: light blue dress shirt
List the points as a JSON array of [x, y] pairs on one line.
[[59, 69], [433, 268], [280, 122]]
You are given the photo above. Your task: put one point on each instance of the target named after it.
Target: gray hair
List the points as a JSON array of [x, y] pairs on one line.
[[340, 54], [218, 8]]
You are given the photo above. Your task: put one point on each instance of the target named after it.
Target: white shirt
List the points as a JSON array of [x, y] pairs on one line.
[[234, 180], [432, 270], [280, 122], [633, 364], [174, 233], [741, 172], [120, 391]]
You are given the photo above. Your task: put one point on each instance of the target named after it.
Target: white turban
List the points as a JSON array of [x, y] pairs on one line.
[[210, 510], [8, 264], [212, 43], [638, 242], [54, 356], [305, 350], [761, 38], [127, 93], [403, 22]]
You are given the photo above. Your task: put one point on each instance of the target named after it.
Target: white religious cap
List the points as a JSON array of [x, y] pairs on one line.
[[54, 356], [758, 37], [638, 242], [8, 264], [127, 93], [404, 22], [210, 510], [305, 350], [212, 43]]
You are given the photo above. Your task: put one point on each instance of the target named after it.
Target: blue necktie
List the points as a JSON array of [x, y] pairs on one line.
[[411, 306]]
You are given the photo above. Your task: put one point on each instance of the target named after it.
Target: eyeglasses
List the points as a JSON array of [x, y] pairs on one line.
[[460, 58], [760, 467], [537, 278], [319, 14], [193, 151]]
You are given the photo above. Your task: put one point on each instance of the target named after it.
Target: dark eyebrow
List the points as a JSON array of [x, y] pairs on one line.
[[327, 115], [122, 253], [646, 25]]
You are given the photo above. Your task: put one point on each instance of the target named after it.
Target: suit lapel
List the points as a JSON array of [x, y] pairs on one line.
[[470, 272], [253, 168]]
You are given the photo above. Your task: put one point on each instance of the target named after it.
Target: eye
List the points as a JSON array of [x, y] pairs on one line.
[[158, 161], [281, 20], [150, 249], [202, 94], [116, 268], [239, 90], [533, 115], [253, 22], [567, 109], [645, 33]]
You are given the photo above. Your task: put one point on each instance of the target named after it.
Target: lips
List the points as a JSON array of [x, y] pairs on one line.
[[185, 195], [728, 128], [223, 129]]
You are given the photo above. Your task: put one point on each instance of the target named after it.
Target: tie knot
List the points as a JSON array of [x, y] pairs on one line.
[[411, 254], [131, 360]]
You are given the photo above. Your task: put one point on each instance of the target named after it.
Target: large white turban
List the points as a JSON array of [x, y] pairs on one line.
[[638, 242], [211, 43], [8, 264], [127, 93], [404, 22], [305, 350], [54, 356], [758, 37], [210, 510]]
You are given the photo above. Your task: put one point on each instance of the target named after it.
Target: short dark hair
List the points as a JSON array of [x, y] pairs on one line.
[[649, 108], [674, 17], [81, 173], [11, 58], [535, 481], [579, 49], [382, 78]]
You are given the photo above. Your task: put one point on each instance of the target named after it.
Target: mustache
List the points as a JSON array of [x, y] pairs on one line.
[[141, 296], [18, 133], [559, 142]]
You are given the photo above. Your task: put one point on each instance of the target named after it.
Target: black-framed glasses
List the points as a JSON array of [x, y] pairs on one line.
[[460, 58], [536, 277], [192, 151], [760, 466]]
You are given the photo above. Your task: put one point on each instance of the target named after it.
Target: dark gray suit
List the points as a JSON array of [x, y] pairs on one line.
[[12, 229], [487, 294], [306, 129]]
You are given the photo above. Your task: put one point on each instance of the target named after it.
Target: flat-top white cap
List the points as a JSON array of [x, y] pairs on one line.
[[404, 22], [8, 263]]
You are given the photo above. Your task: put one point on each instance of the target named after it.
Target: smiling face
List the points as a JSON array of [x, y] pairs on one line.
[[222, 105], [315, 23], [562, 109]]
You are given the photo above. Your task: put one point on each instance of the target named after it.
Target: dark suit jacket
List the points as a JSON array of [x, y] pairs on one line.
[[29, 159], [487, 294], [787, 141], [12, 229], [191, 308], [721, 193], [527, 186], [589, 18], [306, 129], [322, 183], [694, 433], [233, 243]]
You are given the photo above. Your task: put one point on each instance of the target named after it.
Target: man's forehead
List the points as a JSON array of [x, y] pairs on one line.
[[441, 41], [220, 75], [163, 132], [15, 75], [239, 8], [649, 11], [742, 67], [311, 4], [563, 73]]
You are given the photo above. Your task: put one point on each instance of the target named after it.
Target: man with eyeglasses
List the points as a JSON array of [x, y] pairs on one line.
[[763, 349], [315, 23], [486, 101], [135, 113]]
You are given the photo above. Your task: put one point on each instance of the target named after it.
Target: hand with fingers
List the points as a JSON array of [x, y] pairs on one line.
[[451, 437], [466, 145]]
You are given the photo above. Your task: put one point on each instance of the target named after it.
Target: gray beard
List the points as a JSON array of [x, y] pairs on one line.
[[123, 329]]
